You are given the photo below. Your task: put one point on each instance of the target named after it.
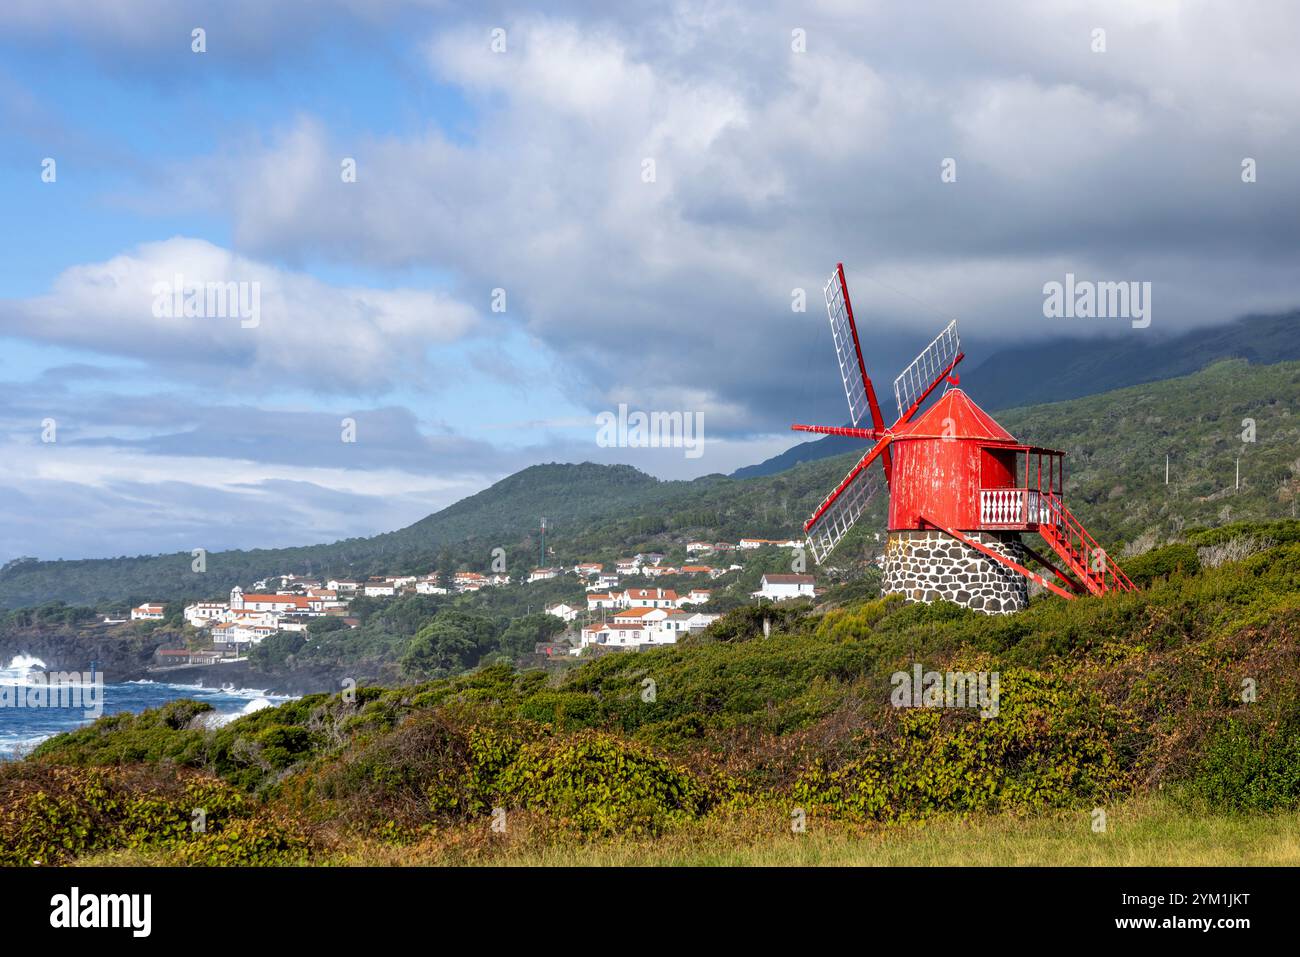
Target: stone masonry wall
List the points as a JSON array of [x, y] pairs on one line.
[[929, 566]]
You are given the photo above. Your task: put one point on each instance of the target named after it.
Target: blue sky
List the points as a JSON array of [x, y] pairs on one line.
[[523, 170]]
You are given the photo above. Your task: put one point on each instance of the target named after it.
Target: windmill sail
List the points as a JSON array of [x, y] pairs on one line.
[[847, 348], [840, 515], [844, 506], [927, 370]]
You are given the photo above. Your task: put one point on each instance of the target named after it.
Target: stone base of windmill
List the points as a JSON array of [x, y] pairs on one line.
[[926, 566]]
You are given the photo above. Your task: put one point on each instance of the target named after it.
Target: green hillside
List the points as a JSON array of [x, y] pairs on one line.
[[1116, 445], [1184, 697]]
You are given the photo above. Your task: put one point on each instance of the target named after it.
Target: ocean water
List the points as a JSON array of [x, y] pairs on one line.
[[21, 729]]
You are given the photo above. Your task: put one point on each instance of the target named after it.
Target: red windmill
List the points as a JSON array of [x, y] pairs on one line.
[[961, 488]]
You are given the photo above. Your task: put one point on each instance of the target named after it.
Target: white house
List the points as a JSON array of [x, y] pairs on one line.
[[749, 544], [468, 581], [633, 627], [149, 611], [543, 574], [648, 598], [283, 604], [203, 613], [626, 633], [592, 634], [587, 569], [329, 599], [428, 587], [675, 624], [598, 600], [670, 627], [345, 585], [779, 587], [266, 619], [698, 548], [696, 596], [634, 615], [627, 566], [380, 588], [241, 631], [645, 626], [563, 611]]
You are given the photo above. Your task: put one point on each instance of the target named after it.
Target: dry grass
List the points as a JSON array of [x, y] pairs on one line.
[[1143, 833], [1139, 834]]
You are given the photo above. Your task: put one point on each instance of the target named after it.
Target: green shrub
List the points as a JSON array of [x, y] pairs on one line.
[[56, 815], [566, 710], [1046, 747], [1248, 769], [245, 842], [1162, 563], [599, 784]]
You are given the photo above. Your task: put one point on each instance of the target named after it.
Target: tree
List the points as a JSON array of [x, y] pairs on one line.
[[522, 633], [453, 642]]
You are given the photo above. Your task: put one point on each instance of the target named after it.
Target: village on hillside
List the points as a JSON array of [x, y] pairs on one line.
[[615, 617]]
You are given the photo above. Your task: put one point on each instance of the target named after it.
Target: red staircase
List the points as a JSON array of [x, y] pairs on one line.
[[1079, 550]]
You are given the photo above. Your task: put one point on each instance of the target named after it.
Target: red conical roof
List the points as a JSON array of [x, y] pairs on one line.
[[968, 421]]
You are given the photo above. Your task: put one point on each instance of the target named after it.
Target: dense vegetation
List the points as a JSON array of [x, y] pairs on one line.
[[1190, 689], [1116, 442]]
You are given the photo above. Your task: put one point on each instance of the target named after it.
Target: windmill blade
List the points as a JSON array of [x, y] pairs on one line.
[[927, 370], [844, 506], [853, 371], [848, 350]]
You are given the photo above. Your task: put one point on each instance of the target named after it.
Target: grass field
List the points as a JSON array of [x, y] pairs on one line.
[[1140, 834], [1145, 833]]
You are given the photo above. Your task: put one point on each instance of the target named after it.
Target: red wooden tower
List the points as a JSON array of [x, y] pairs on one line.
[[962, 490]]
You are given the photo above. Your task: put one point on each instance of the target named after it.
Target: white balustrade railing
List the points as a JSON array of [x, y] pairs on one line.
[[1002, 506], [1015, 506]]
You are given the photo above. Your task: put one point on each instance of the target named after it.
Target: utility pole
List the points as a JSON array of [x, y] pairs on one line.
[[1239, 473], [1166, 468], [542, 561]]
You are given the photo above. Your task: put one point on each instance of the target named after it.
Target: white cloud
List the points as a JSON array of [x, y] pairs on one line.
[[1021, 130], [307, 333]]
